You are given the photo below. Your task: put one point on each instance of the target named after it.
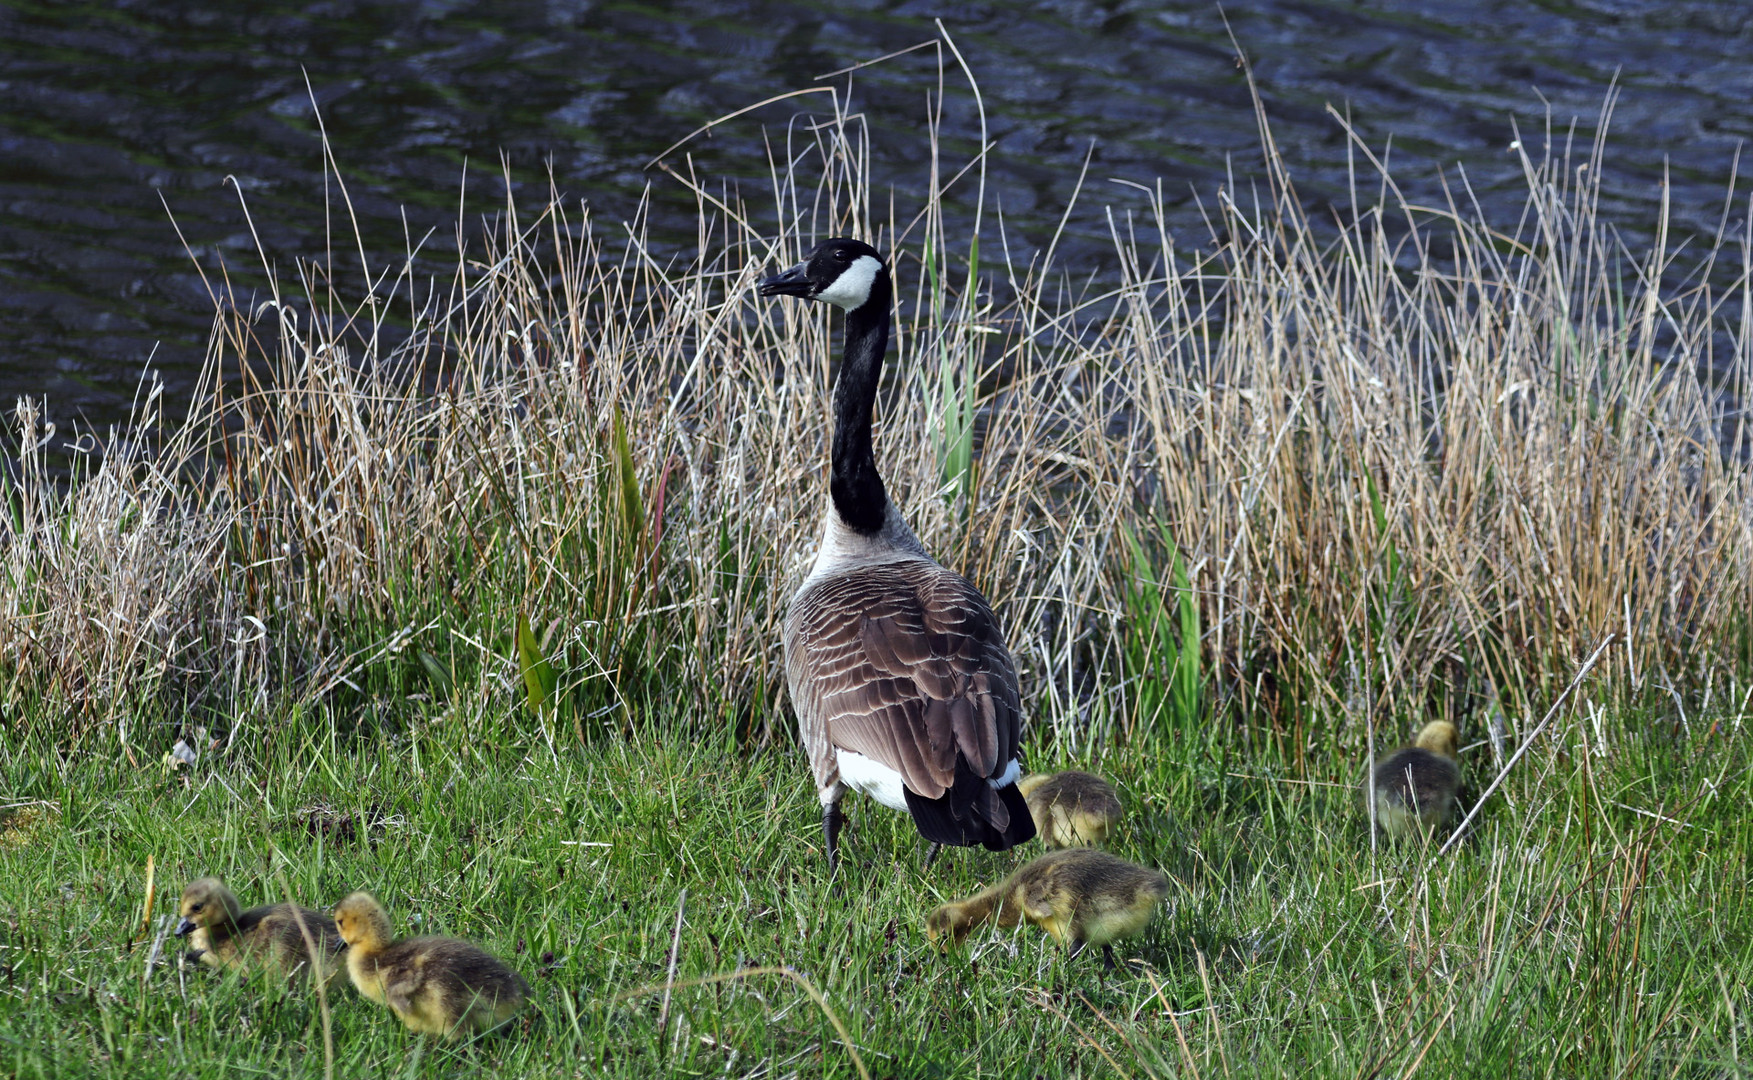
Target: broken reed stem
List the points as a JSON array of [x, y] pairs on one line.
[[663, 1012], [785, 972], [1211, 1010], [1181, 1041], [1582, 672], [1369, 780], [145, 926], [157, 950]]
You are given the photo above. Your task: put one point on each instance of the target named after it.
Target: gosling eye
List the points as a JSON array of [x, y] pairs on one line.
[[196, 907]]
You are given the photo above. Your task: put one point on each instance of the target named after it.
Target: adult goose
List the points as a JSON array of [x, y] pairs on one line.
[[898, 669]]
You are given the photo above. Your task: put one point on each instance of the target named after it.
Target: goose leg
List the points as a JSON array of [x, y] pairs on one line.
[[1108, 958], [931, 855], [832, 819]]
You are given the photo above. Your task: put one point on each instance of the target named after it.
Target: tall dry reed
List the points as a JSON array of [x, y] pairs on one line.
[[1413, 460]]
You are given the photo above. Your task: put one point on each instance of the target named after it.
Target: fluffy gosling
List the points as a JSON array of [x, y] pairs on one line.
[[262, 938], [1071, 808], [1080, 896], [1415, 787], [435, 985]]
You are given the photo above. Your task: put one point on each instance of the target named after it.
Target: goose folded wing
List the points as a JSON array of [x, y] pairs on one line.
[[919, 675], [282, 922], [287, 927], [401, 990], [255, 927]]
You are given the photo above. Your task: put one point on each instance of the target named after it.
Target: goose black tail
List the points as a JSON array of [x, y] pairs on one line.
[[973, 812]]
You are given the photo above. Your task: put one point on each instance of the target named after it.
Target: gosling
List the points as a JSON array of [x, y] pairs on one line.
[[1071, 808], [435, 985], [266, 938], [1080, 896], [1416, 787]]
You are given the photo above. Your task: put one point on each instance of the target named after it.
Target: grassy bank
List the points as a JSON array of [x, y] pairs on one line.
[[1598, 925], [1247, 510]]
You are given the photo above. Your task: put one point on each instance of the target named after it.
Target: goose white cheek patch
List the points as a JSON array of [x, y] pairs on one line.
[[852, 288]]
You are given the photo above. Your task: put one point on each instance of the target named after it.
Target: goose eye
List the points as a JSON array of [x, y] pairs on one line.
[[196, 907]]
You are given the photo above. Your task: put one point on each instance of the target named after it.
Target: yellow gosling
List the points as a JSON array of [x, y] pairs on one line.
[[1416, 787], [221, 935], [1071, 808], [1080, 896], [435, 985]]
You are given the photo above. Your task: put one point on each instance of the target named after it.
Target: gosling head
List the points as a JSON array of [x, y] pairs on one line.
[[842, 272], [361, 920], [946, 926], [1439, 737], [206, 902]]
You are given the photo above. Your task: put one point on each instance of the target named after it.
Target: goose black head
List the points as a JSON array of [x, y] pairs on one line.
[[841, 272]]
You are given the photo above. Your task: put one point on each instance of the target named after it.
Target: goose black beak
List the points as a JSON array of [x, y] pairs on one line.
[[794, 282], [185, 928]]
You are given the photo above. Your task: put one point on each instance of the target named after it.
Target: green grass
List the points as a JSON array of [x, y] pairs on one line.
[[1254, 501], [1574, 935]]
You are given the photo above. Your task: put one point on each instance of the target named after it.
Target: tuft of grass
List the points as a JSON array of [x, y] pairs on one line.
[[539, 679], [1163, 639]]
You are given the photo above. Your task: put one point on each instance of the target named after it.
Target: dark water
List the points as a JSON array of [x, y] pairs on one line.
[[105, 108]]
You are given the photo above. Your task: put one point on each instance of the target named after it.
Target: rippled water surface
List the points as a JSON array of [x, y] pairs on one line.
[[112, 112]]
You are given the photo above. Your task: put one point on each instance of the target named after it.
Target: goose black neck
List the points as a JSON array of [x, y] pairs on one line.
[[857, 490]]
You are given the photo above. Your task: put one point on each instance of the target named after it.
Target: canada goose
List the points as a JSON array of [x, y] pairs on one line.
[[222, 936], [1081, 896], [1415, 787], [1071, 808], [903, 685], [435, 985]]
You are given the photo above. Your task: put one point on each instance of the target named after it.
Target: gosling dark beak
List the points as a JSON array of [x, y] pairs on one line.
[[794, 282], [185, 928]]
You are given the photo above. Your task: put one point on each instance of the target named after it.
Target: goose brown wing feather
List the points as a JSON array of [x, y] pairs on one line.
[[905, 663]]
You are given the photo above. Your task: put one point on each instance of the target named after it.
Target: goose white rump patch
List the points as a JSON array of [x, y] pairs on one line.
[[884, 784], [873, 778], [852, 288], [1009, 775]]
